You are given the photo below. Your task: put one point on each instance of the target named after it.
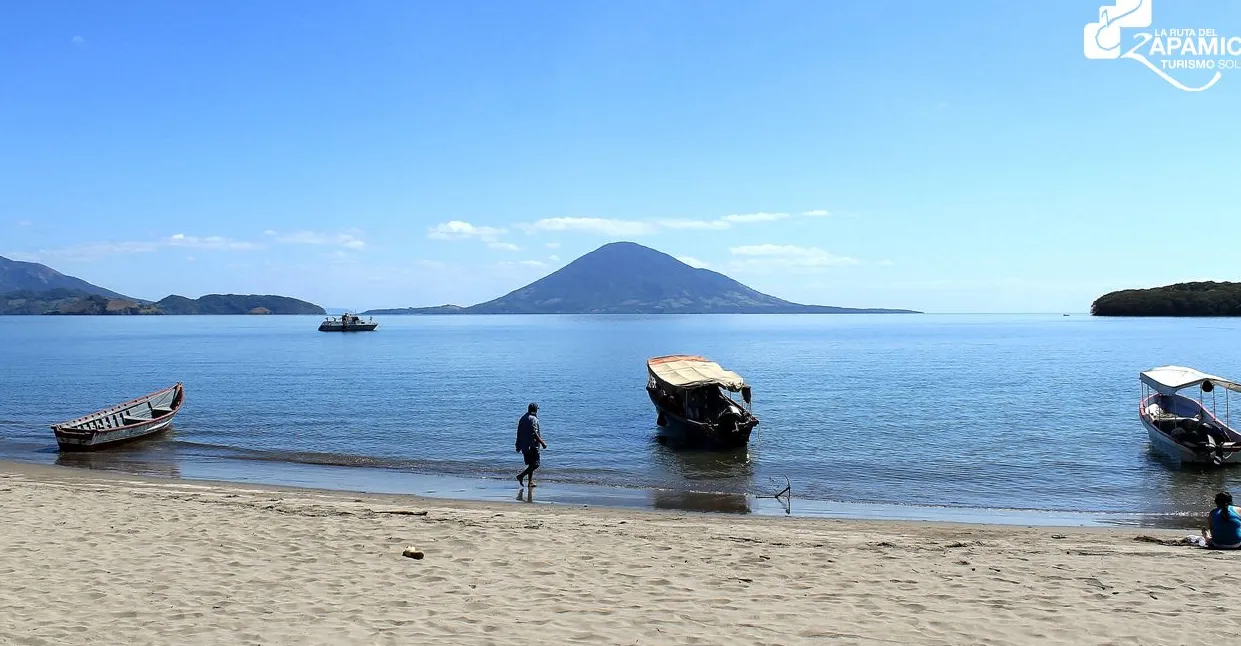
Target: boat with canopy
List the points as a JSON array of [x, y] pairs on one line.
[[1188, 429], [121, 423], [692, 396]]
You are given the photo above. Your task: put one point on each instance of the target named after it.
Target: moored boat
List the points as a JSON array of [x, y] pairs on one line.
[[347, 323], [1184, 428], [690, 394], [121, 423]]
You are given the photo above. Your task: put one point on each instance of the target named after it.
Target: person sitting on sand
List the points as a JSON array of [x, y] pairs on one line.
[[1224, 532], [528, 442]]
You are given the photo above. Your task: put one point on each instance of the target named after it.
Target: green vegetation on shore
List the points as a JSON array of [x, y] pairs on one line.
[[1181, 299], [237, 304], [69, 301], [78, 302], [32, 288]]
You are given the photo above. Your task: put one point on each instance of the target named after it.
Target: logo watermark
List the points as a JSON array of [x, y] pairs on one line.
[[1168, 52]]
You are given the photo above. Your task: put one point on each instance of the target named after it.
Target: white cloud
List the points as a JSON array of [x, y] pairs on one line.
[[95, 251], [349, 238], [885, 263], [594, 225], [679, 224], [78, 41], [554, 258], [552, 245], [754, 217], [789, 255], [84, 252], [458, 230], [620, 228], [521, 263], [209, 242], [692, 261], [23, 223]]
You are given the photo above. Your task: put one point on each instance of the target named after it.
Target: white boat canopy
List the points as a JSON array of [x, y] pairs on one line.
[[685, 371], [1169, 379]]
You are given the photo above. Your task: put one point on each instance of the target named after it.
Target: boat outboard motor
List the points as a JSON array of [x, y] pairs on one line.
[[1210, 437]]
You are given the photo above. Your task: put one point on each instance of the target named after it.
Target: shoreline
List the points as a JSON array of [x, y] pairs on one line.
[[144, 559], [374, 480]]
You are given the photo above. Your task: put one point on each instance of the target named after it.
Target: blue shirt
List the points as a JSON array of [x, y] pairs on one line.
[[527, 431], [1225, 526]]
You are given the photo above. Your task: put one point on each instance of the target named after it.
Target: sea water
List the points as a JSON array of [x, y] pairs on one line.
[[871, 415]]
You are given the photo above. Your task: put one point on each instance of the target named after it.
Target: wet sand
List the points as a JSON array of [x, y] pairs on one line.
[[98, 557]]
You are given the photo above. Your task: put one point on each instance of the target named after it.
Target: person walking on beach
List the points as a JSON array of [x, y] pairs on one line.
[[528, 443], [1225, 530]]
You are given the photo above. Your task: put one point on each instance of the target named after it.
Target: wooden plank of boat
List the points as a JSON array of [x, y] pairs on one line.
[[123, 422]]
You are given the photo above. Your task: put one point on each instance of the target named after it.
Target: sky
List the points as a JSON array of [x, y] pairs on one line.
[[959, 156]]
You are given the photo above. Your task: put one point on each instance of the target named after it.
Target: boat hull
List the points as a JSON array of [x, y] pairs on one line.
[[683, 433], [352, 327], [1183, 408], [1163, 443], [132, 420], [69, 440]]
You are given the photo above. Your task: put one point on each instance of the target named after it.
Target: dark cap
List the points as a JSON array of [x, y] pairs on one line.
[[533, 407]]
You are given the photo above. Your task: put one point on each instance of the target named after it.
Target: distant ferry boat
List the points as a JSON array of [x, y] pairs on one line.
[[129, 421], [347, 323]]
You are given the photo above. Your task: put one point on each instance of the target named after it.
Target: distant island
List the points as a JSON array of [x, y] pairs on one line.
[[628, 278], [237, 304], [438, 309], [18, 276], [32, 288], [1181, 299], [69, 301]]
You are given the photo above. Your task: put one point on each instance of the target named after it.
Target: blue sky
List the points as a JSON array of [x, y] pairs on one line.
[[956, 156]]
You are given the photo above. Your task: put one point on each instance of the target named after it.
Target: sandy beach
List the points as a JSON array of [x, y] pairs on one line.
[[90, 557]]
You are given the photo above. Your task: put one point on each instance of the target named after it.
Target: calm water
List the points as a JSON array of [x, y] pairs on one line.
[[982, 412]]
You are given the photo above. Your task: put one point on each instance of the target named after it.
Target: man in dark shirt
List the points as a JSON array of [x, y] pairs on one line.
[[528, 443]]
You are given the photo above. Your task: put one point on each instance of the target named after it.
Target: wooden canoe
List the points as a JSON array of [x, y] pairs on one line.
[[121, 423]]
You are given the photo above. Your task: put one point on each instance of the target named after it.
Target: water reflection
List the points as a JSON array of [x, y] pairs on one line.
[[1187, 487], [731, 471], [726, 476], [728, 503], [144, 458]]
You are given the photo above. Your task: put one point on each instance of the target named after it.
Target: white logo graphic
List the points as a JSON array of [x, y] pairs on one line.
[[1102, 39], [1159, 50]]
